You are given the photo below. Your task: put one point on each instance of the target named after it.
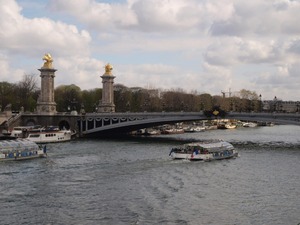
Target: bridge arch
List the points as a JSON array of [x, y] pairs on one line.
[[31, 122], [64, 124], [98, 124]]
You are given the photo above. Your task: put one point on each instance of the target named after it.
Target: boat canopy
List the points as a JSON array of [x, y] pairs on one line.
[[211, 146], [17, 145]]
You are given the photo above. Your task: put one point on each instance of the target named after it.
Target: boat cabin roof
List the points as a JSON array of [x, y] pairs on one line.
[[20, 128], [16, 143], [211, 146]]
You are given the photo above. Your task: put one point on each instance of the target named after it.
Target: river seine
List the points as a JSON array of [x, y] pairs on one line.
[[133, 181]]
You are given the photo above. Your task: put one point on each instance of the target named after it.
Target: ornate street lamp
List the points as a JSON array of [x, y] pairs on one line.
[[260, 104], [275, 104]]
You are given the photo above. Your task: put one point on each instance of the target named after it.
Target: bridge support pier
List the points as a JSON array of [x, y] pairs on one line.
[[45, 103], [107, 102]]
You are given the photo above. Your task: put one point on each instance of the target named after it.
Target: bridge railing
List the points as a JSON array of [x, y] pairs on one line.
[[265, 114], [116, 114]]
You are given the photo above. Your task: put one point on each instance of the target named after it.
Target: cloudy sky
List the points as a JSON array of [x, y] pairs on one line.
[[202, 45]]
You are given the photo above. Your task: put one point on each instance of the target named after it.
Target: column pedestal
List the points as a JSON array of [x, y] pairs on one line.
[[45, 102], [107, 102]]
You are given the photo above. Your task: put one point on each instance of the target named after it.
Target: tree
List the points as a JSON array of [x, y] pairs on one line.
[[135, 102], [68, 97], [122, 99], [206, 102], [247, 100], [246, 94], [7, 94], [90, 99], [26, 89]]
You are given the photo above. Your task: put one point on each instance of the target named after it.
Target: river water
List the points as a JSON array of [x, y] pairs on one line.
[[133, 181]]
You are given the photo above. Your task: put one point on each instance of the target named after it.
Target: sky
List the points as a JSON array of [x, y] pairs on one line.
[[206, 46]]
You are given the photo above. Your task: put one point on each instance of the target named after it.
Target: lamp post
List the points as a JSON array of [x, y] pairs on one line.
[[275, 104], [127, 106], [73, 107], [82, 110], [260, 103]]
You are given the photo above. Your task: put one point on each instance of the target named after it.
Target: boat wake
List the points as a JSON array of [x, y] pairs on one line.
[[267, 144]]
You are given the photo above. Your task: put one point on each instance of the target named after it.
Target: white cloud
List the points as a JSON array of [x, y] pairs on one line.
[[22, 35], [78, 70], [95, 14], [9, 74], [23, 38], [260, 18], [294, 46], [157, 75], [207, 45], [146, 15]]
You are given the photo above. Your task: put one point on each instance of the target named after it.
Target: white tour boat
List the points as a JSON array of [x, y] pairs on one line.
[[205, 151], [49, 135], [19, 149]]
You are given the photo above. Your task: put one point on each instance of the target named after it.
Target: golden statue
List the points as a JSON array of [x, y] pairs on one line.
[[48, 61], [108, 69]]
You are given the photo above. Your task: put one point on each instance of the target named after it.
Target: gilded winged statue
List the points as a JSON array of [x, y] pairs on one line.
[[48, 61], [108, 69]]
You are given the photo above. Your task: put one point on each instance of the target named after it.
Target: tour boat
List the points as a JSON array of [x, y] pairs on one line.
[[205, 151], [49, 135], [19, 149]]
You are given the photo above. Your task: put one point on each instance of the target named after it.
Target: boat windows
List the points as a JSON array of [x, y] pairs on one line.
[[50, 135], [34, 135]]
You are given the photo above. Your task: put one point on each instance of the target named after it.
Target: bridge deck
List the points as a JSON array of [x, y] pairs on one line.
[[104, 122], [95, 123]]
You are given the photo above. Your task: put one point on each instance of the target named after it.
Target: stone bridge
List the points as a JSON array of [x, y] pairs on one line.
[[96, 124]]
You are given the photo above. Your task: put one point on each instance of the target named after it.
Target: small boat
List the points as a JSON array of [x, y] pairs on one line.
[[230, 126], [173, 131], [20, 149], [221, 126], [204, 151], [193, 129], [226, 126], [249, 124], [152, 132], [49, 135], [211, 127]]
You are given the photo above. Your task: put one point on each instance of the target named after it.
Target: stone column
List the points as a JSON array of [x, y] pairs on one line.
[[45, 102], [107, 102]]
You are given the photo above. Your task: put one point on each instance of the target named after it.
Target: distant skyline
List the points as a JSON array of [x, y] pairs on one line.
[[206, 46]]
